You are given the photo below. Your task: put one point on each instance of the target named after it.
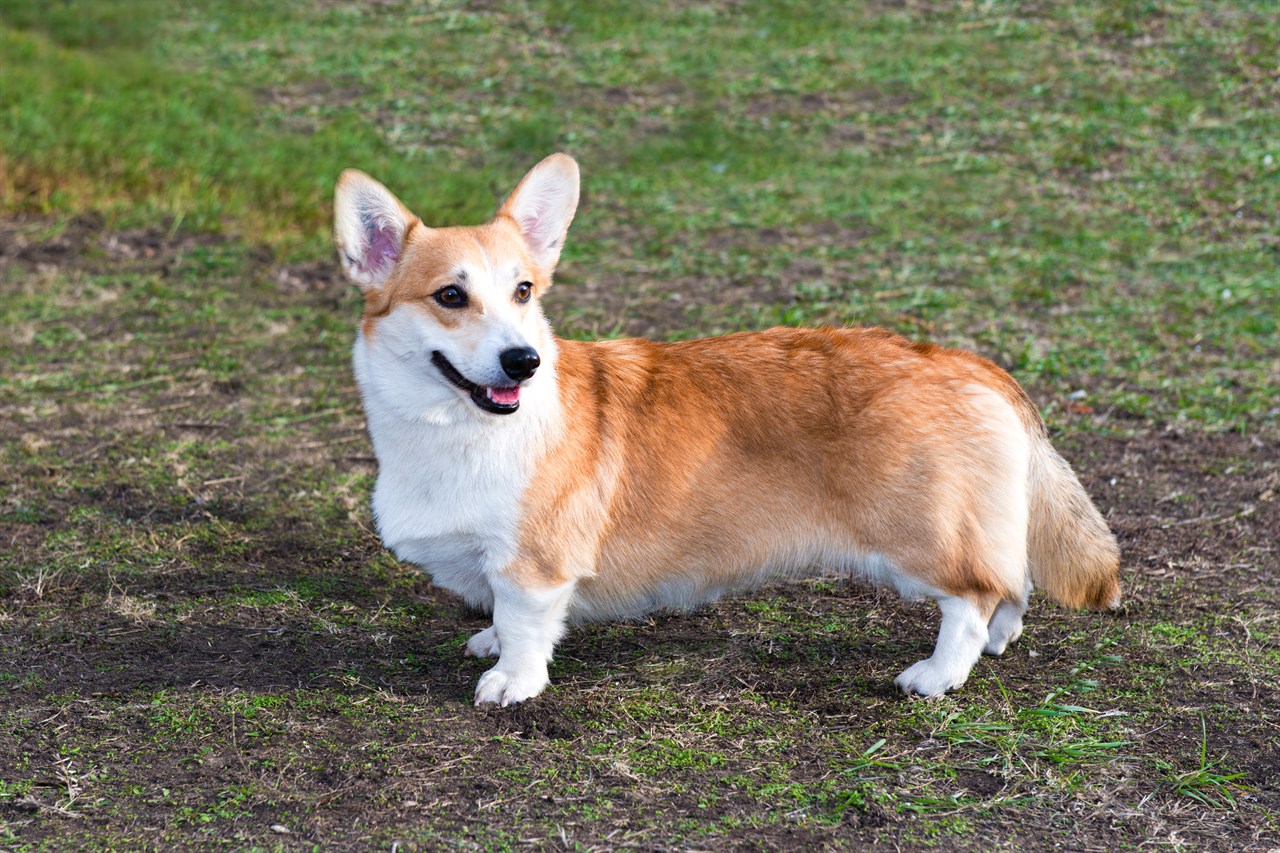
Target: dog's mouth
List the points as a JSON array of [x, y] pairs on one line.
[[498, 400]]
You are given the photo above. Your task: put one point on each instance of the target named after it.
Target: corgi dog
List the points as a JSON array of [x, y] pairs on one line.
[[549, 481]]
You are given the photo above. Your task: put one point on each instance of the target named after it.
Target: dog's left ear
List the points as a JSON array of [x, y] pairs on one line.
[[543, 204]]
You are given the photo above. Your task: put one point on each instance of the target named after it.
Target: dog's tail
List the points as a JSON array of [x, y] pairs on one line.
[[1072, 554]]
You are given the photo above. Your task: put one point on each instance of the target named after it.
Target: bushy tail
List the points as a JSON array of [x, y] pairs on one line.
[[1072, 553]]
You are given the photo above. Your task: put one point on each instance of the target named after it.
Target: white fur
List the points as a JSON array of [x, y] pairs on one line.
[[450, 477], [527, 624], [448, 499], [448, 495], [543, 206], [690, 589], [484, 644], [960, 639], [1005, 627], [1003, 508], [1006, 623]]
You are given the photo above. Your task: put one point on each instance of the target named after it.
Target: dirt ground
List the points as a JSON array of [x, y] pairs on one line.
[[224, 696]]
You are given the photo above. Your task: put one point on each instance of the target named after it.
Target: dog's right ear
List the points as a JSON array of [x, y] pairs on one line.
[[369, 224]]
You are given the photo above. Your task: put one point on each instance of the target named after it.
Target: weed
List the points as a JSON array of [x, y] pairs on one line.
[[1205, 784]]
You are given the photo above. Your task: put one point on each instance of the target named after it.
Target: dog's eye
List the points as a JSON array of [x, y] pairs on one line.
[[523, 291], [451, 297]]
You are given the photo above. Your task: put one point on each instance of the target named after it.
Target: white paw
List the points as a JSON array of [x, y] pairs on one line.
[[998, 642], [1004, 628], [484, 645], [928, 679], [996, 646], [506, 688]]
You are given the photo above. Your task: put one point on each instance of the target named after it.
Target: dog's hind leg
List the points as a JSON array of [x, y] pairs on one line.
[[527, 623], [960, 641], [484, 644], [1005, 627], [1006, 624]]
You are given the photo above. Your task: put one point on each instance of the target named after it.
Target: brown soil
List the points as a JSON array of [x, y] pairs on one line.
[[1197, 516]]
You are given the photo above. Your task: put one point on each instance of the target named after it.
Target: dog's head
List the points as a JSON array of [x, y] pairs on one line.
[[452, 313]]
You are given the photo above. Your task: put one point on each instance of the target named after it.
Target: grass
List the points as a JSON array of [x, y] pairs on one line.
[[195, 151], [992, 179], [1205, 784], [203, 638]]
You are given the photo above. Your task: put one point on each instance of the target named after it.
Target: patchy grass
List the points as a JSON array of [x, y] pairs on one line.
[[1087, 196], [1205, 784], [203, 642]]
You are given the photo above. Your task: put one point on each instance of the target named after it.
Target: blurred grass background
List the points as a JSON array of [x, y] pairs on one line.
[[1085, 191]]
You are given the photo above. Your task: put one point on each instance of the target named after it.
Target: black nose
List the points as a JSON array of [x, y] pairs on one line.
[[519, 362]]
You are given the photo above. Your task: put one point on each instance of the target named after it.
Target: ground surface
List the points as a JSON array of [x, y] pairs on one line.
[[203, 639], [202, 643]]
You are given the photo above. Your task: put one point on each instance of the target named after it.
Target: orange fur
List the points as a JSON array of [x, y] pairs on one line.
[[711, 457], [1072, 555], [431, 255]]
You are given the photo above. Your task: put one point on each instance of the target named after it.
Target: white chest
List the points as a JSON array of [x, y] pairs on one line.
[[452, 507], [451, 478]]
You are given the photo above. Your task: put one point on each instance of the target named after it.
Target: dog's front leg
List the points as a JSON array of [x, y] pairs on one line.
[[528, 621]]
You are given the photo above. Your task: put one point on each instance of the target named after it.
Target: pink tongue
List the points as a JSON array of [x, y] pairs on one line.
[[504, 396]]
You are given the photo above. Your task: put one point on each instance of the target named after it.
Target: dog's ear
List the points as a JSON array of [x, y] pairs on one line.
[[543, 204], [369, 224]]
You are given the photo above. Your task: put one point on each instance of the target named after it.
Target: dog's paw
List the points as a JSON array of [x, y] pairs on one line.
[[1004, 628], [928, 679], [498, 687], [484, 645]]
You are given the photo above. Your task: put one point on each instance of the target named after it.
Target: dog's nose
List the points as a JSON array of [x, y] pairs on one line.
[[519, 362]]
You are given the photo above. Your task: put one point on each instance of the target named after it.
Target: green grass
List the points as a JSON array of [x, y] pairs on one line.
[[203, 637], [121, 129], [1094, 212], [1205, 784]]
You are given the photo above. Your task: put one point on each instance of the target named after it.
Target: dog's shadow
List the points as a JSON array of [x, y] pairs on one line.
[[716, 650]]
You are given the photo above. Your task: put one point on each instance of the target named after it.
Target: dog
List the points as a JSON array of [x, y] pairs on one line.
[[549, 481]]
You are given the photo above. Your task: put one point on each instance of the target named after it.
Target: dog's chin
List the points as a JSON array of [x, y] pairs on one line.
[[497, 400]]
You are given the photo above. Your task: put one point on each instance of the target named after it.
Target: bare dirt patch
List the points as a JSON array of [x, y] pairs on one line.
[[84, 242]]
